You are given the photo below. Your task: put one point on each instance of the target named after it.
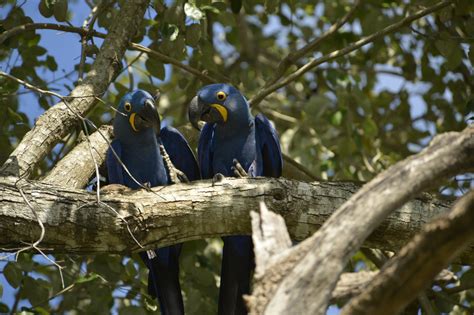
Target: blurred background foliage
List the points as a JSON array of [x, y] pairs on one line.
[[347, 119]]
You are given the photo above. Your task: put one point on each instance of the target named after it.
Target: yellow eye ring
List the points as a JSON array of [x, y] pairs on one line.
[[128, 107], [221, 96]]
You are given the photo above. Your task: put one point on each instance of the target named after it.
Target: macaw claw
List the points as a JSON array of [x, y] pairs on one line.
[[238, 170], [176, 176], [114, 188]]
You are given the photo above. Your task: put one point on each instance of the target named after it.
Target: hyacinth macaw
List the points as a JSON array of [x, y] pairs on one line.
[[137, 143], [234, 143]]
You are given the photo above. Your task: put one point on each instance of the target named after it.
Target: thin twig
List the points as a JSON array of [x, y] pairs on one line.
[[88, 25], [346, 50], [166, 59], [292, 57], [41, 237], [123, 219]]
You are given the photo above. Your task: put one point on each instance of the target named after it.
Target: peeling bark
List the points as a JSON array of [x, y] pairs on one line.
[[58, 120]]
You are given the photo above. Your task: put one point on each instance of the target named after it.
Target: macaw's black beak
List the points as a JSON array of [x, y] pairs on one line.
[[147, 117], [194, 112], [211, 113]]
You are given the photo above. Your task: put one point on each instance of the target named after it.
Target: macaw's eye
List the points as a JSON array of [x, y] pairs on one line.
[[221, 96], [128, 107]]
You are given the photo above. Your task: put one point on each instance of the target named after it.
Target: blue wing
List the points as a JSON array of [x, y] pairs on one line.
[[268, 143], [180, 153], [205, 151], [114, 169]]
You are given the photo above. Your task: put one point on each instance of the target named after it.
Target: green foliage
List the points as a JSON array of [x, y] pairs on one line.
[[347, 119]]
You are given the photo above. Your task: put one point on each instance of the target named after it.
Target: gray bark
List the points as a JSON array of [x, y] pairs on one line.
[[302, 279], [76, 224], [76, 168], [58, 121]]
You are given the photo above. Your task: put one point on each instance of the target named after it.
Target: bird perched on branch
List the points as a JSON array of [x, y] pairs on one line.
[[145, 155], [234, 143]]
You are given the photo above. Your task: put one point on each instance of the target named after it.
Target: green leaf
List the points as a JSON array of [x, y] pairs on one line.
[[45, 9], [35, 290], [370, 127], [443, 305], [4, 308], [60, 10], [271, 6], [51, 63], [1, 290], [210, 8], [220, 6], [467, 279], [170, 31], [13, 274], [132, 310], [235, 6], [155, 68], [336, 118], [37, 50], [130, 268], [455, 59], [445, 47], [15, 117], [192, 11], [193, 34], [40, 311]]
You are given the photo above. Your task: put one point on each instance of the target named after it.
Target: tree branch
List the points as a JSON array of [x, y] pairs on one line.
[[303, 278], [346, 50], [57, 121], [76, 168], [74, 223], [418, 262]]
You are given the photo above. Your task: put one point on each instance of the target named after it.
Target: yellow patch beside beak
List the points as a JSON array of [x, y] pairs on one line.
[[222, 110], [132, 122]]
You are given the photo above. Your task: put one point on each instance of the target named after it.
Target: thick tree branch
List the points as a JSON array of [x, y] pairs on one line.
[[301, 280], [74, 222], [418, 262], [346, 50], [57, 121], [77, 167]]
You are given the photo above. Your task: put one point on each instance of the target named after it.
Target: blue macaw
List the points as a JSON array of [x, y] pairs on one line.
[[137, 143], [234, 143]]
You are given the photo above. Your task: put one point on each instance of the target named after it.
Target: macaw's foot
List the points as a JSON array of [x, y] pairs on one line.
[[114, 188], [217, 178], [176, 176], [238, 170]]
